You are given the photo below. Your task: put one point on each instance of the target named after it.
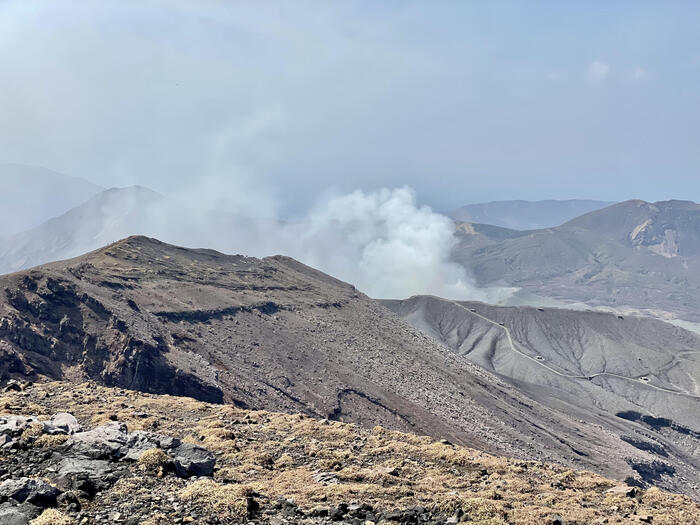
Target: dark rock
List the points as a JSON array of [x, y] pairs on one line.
[[289, 508], [13, 386], [253, 507], [191, 460], [87, 476], [338, 513], [69, 500], [556, 520], [359, 510], [36, 492]]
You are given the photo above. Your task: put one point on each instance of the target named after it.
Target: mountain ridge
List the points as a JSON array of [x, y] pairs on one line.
[[273, 334], [630, 256], [524, 214]]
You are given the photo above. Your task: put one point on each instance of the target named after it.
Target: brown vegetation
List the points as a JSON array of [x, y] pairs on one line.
[[323, 463]]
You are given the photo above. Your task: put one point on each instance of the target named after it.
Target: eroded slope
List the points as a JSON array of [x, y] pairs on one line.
[[637, 377]]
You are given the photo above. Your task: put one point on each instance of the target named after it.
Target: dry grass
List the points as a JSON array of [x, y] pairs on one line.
[[227, 501], [321, 463], [32, 432], [52, 517], [154, 460], [50, 441]]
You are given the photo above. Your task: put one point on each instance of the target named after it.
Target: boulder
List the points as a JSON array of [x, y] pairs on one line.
[[139, 442], [62, 423], [14, 515], [105, 442], [87, 476], [191, 460], [33, 491], [13, 386], [13, 426]]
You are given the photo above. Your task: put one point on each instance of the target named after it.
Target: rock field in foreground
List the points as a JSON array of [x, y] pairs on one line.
[[88, 454]]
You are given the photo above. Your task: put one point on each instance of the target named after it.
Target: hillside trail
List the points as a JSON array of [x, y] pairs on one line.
[[588, 377]]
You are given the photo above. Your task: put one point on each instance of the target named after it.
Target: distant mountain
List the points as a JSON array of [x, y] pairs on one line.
[[106, 217], [30, 195], [669, 228], [633, 255], [526, 215]]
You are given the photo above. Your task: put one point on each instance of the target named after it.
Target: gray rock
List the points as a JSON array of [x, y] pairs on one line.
[[14, 425], [191, 460], [87, 476], [34, 491], [105, 442], [12, 515], [95, 468], [138, 442], [62, 423]]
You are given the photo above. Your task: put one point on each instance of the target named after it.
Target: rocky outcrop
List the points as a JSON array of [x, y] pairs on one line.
[[80, 463]]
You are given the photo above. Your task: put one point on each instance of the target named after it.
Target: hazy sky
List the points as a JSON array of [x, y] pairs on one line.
[[463, 101]]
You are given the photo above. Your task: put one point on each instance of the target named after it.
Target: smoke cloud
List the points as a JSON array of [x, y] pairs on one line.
[[381, 241]]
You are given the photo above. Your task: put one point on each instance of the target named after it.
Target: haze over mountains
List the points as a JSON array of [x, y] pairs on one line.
[[109, 215], [30, 195], [383, 241], [526, 215]]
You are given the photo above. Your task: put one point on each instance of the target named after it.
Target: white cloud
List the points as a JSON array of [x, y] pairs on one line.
[[639, 74], [597, 72]]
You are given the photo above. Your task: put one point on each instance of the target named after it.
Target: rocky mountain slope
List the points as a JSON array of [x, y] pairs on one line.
[[526, 215], [108, 216], [670, 228], [637, 377], [141, 459], [30, 195], [632, 256], [274, 334]]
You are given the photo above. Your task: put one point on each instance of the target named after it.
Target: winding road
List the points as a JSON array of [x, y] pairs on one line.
[[570, 376]]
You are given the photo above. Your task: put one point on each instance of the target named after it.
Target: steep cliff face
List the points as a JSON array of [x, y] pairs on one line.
[[51, 328]]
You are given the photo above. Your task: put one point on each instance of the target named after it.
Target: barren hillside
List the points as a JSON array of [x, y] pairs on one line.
[[274, 334]]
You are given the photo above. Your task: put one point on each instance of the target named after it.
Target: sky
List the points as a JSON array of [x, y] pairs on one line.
[[461, 101]]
